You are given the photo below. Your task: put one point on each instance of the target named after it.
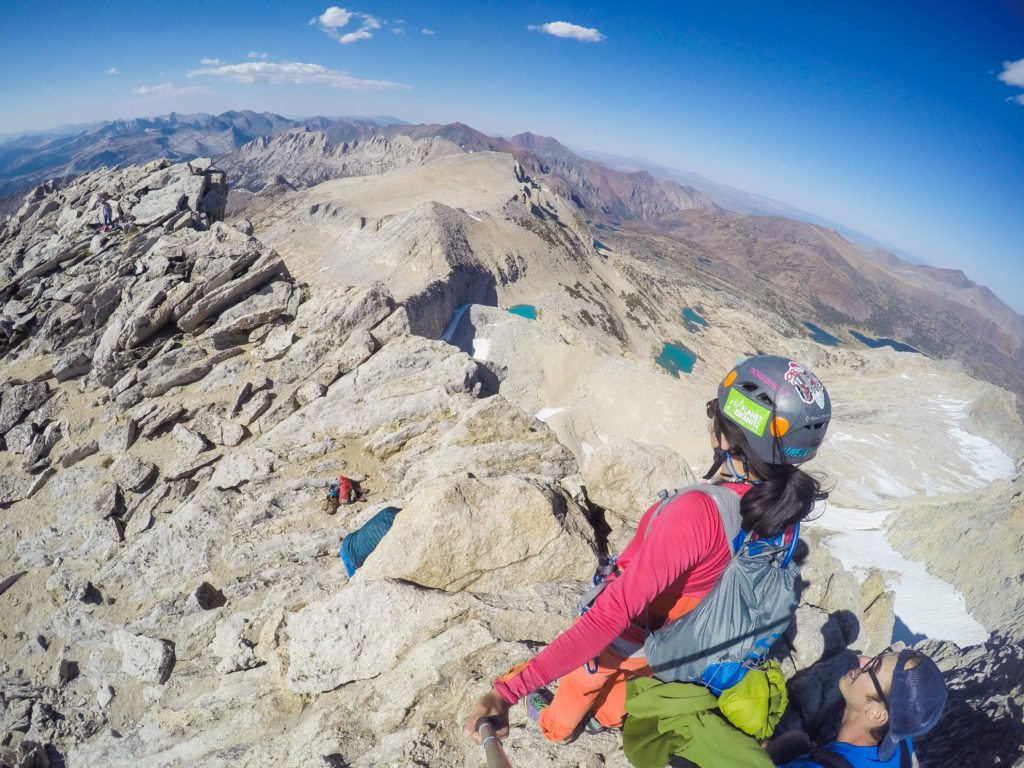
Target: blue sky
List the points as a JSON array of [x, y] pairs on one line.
[[902, 120]]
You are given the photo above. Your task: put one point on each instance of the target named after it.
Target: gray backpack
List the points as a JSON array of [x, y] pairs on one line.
[[735, 625]]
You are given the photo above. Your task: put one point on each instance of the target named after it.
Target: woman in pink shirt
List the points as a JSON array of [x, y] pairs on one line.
[[771, 414]]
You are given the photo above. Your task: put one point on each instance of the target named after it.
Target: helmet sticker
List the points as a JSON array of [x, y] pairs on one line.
[[746, 412], [764, 378], [806, 384]]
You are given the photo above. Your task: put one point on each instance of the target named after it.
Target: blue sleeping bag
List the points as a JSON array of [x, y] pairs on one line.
[[358, 545]]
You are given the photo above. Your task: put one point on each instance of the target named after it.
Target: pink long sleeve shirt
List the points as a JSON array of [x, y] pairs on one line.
[[662, 575]]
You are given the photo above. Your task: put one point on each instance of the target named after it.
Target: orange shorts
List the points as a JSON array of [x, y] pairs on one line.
[[582, 694]]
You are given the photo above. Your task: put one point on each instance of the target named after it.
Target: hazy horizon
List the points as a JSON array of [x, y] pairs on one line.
[[901, 123]]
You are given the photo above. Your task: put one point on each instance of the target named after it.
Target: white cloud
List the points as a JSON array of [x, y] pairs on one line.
[[113, 71], [334, 19], [292, 73], [1013, 73], [351, 37], [256, 55], [1017, 99], [426, 31], [565, 29], [165, 90], [211, 62]]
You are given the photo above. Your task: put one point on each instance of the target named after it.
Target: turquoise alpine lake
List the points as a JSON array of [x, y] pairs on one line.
[[693, 321], [899, 346], [821, 336], [676, 359], [524, 310]]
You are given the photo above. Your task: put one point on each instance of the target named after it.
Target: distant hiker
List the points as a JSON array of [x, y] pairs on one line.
[[108, 214], [771, 413], [888, 700]]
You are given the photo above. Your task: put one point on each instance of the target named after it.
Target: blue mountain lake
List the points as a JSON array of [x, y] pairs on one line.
[[821, 336], [676, 359], [524, 310], [694, 322], [899, 346]]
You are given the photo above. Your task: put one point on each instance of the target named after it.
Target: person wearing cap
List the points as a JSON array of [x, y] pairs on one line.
[[770, 415], [889, 699]]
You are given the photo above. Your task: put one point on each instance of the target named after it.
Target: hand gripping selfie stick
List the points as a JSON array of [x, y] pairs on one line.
[[493, 751]]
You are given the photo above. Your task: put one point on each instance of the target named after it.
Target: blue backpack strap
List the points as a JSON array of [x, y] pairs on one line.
[[792, 546]]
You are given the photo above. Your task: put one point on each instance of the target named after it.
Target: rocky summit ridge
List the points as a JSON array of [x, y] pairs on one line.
[[174, 393]]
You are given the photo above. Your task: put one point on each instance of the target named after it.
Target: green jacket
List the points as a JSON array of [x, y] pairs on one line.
[[682, 719]]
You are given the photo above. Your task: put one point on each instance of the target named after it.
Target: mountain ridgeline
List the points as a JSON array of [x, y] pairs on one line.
[[800, 272]]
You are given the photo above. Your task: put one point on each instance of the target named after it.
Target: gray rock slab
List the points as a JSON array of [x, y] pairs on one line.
[[252, 464], [308, 392], [20, 399], [275, 345], [155, 420], [71, 362], [13, 488], [145, 658], [346, 636], [255, 407], [531, 540], [74, 454], [217, 430], [188, 443], [264, 306], [236, 404], [266, 268], [132, 473], [189, 467], [117, 439], [19, 438]]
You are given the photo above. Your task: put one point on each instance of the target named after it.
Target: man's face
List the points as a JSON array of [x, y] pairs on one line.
[[858, 688]]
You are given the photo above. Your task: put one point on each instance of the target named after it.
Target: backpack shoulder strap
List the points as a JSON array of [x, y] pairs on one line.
[[829, 759], [726, 502], [905, 761]]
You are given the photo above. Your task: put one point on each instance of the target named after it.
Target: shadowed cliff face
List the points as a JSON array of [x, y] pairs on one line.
[[174, 394]]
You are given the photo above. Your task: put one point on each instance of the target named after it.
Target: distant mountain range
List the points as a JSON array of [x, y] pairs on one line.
[[740, 201], [27, 159], [742, 237]]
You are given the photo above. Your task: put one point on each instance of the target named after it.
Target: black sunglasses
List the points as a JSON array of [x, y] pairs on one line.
[[712, 408], [872, 667]]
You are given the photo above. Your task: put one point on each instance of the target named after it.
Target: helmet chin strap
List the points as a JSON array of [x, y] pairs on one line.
[[724, 457], [720, 457]]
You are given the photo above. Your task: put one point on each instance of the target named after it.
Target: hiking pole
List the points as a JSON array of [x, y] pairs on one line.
[[493, 751]]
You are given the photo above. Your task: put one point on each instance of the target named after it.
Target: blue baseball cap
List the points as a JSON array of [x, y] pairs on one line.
[[916, 700]]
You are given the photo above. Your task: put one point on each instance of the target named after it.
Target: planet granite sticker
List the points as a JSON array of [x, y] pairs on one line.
[[746, 412]]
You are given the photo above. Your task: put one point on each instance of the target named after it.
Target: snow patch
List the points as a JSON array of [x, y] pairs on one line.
[[481, 348], [547, 413], [925, 603], [987, 460]]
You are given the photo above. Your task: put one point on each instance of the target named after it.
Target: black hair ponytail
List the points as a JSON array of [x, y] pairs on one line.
[[784, 495]]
